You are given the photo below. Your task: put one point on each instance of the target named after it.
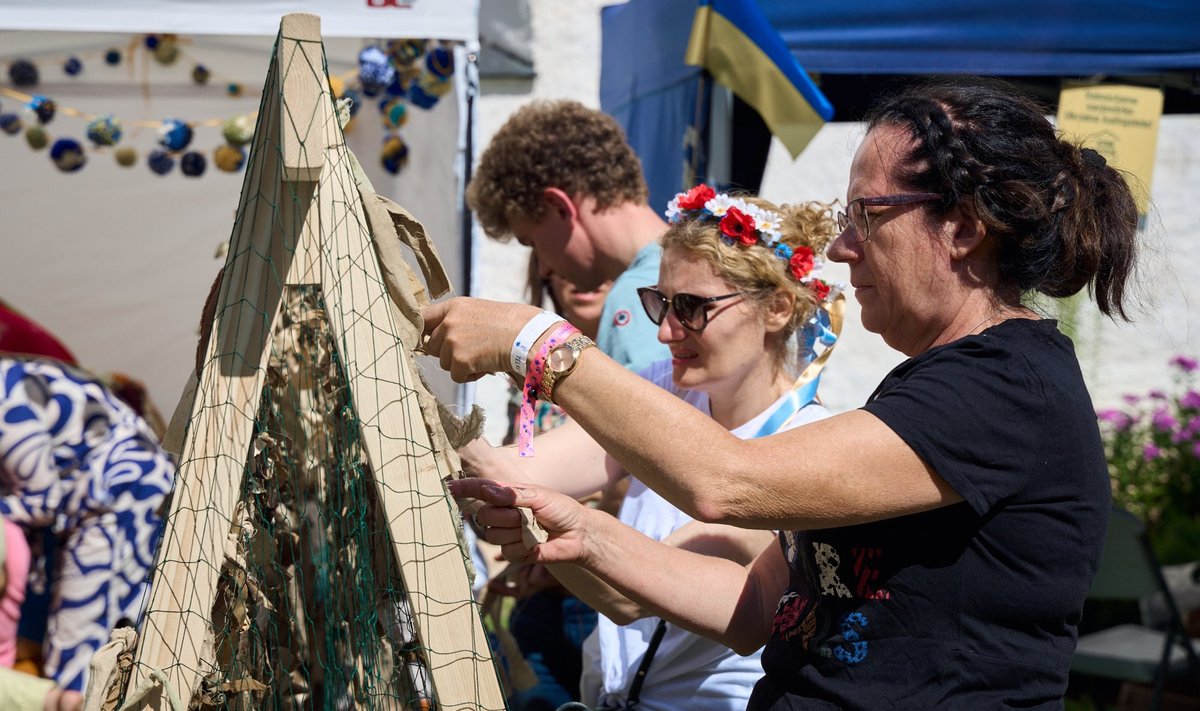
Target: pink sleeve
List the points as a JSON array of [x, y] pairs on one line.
[[16, 568]]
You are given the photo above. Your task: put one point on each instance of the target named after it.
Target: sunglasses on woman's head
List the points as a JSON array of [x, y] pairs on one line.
[[691, 310]]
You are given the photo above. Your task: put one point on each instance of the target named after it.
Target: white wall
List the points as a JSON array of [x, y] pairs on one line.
[[1116, 358]]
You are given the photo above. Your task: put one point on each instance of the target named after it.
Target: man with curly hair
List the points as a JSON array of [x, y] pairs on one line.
[[561, 178]]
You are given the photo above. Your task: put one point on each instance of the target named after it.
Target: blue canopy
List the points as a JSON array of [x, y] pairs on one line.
[[1013, 37], [647, 87]]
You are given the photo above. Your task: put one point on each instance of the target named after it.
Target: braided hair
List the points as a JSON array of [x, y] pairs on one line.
[[1061, 217]]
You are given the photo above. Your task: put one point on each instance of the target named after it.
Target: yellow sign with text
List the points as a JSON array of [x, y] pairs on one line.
[[1121, 123]]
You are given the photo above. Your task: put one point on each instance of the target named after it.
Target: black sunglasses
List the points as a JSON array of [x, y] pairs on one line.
[[691, 310], [856, 214]]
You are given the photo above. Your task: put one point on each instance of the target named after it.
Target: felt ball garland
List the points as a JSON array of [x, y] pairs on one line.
[[192, 164], [200, 74], [68, 155], [160, 162], [126, 156], [174, 135], [23, 73], [43, 108], [112, 57], [238, 130], [36, 137], [105, 131], [73, 66], [10, 124], [394, 155], [229, 159], [375, 71]]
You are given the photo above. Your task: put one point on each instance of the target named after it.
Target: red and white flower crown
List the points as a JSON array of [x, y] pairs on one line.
[[745, 224]]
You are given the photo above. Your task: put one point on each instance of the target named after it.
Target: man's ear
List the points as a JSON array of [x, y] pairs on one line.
[[561, 203], [968, 231]]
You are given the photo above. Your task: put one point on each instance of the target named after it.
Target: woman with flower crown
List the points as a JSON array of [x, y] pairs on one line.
[[739, 281], [937, 544]]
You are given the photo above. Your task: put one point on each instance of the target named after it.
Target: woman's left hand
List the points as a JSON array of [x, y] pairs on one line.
[[473, 337], [565, 519]]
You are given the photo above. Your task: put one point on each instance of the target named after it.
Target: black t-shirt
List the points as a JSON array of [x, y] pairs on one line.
[[974, 605]]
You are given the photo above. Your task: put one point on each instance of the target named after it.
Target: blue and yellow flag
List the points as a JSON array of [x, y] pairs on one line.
[[733, 40]]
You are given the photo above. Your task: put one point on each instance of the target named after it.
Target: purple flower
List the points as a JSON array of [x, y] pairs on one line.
[[1119, 420], [1150, 452], [1157, 395], [1163, 421], [1190, 400], [1186, 364], [1132, 399], [1196, 450]]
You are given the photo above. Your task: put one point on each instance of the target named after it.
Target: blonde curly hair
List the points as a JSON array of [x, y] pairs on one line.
[[553, 144], [755, 270]]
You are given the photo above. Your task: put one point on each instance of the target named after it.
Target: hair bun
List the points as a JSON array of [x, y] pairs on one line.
[[1093, 158]]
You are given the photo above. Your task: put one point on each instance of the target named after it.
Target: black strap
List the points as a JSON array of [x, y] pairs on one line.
[[635, 689]]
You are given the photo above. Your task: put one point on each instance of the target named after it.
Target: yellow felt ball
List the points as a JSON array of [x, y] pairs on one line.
[[337, 85], [36, 137], [166, 52], [126, 156], [229, 158]]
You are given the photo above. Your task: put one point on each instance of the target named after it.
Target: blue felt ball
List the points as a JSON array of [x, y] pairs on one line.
[[112, 57], [151, 41], [419, 97], [160, 162], [440, 62], [43, 108], [192, 164], [105, 131], [23, 73], [356, 100], [68, 155], [375, 70], [394, 155], [10, 124], [73, 66], [174, 135]]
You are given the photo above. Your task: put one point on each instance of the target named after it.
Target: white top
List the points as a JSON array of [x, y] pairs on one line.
[[688, 671]]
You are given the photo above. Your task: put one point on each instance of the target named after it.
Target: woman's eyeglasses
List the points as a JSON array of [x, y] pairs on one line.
[[855, 215], [691, 310]]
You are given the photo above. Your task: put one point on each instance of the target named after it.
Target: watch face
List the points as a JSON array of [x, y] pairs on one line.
[[561, 359]]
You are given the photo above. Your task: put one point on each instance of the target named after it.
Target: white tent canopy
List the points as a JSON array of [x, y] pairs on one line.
[[432, 19], [117, 261]]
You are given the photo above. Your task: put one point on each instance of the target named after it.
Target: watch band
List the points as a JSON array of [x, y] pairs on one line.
[[551, 377]]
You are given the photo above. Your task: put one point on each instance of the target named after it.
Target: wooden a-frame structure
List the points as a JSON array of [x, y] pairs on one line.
[[305, 219]]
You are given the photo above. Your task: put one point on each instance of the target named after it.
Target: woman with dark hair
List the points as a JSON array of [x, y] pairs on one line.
[[937, 544]]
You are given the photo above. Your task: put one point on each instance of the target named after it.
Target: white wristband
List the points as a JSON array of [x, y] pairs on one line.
[[528, 336]]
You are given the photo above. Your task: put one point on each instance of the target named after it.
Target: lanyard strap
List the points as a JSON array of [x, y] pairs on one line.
[[635, 689]]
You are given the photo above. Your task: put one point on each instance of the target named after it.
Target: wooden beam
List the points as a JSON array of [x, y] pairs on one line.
[[301, 68], [177, 630], [422, 520]]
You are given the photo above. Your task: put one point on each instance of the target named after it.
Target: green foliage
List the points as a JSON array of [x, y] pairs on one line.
[[1153, 449]]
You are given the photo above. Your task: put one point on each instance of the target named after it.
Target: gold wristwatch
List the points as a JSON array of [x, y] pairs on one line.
[[560, 362]]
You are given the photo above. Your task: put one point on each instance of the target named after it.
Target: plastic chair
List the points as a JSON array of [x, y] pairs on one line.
[[1129, 570]]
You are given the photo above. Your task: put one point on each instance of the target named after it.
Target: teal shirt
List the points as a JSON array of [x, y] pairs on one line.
[[626, 334]]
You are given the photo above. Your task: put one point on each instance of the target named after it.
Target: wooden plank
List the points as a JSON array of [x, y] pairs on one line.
[[301, 68], [421, 519], [176, 634]]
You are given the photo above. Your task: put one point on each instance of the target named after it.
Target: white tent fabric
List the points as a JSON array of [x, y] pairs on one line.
[[117, 261], [432, 19]]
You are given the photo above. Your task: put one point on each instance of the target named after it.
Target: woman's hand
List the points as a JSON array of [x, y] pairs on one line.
[[473, 337], [565, 519]]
